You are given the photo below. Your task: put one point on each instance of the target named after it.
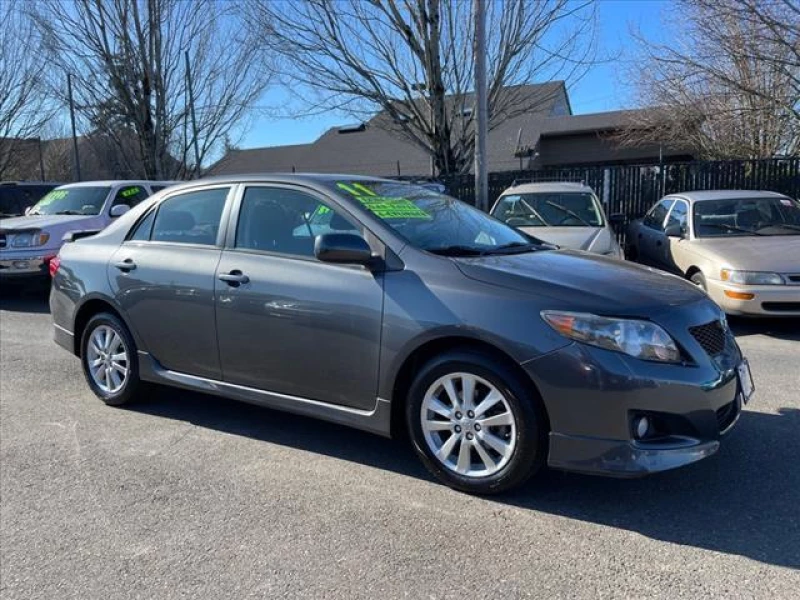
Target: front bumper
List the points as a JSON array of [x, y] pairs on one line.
[[768, 300], [593, 395], [24, 265]]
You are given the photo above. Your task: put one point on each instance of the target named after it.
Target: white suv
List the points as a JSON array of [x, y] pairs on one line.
[[28, 243]]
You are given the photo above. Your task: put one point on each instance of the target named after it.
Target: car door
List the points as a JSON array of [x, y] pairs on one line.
[[288, 323], [163, 278], [650, 238], [676, 221]]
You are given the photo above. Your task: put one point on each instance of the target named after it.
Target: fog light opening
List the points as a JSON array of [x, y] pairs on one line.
[[641, 427]]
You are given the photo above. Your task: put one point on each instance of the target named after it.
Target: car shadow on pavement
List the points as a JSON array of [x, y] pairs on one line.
[[783, 329], [743, 501], [29, 299]]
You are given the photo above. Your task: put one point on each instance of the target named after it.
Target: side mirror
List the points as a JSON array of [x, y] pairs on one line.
[[674, 230], [342, 248], [119, 210]]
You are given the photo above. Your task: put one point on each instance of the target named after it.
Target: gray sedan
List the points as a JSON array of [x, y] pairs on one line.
[[395, 309]]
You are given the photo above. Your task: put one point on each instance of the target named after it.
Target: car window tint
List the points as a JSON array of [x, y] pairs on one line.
[[677, 215], [655, 218], [190, 218], [9, 203], [130, 195], [141, 231], [286, 221]]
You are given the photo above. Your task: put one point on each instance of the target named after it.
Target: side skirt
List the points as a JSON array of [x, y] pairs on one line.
[[376, 420]]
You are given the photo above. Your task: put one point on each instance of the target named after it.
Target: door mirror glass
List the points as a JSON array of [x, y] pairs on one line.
[[119, 210], [674, 230], [342, 248]]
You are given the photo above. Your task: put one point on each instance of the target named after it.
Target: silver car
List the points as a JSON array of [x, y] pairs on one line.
[[742, 247], [566, 214]]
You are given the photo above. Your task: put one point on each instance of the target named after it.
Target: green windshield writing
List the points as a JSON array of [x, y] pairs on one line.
[[385, 207]]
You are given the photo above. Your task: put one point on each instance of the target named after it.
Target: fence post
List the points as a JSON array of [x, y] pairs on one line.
[[607, 188]]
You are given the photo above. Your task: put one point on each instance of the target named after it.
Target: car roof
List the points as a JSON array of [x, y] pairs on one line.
[[113, 182], [313, 179], [550, 186], [704, 196]]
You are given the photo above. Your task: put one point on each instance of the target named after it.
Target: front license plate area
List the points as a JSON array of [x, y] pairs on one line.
[[746, 385]]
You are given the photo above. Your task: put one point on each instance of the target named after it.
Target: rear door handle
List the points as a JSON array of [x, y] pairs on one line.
[[126, 265], [235, 278]]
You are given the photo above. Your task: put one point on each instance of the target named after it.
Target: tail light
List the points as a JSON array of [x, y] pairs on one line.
[[53, 265]]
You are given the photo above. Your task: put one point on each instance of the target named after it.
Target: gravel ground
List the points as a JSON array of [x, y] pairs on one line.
[[190, 496]]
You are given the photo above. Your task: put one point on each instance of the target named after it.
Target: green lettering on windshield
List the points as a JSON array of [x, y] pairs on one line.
[[385, 207], [128, 192], [53, 196]]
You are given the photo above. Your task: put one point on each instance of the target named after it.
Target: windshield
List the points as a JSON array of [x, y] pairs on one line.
[[748, 216], [432, 221], [565, 209], [72, 201]]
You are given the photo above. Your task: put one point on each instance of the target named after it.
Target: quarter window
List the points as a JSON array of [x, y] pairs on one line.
[[141, 233], [190, 218], [286, 221], [658, 214]]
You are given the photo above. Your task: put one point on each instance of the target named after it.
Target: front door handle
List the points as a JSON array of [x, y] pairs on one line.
[[235, 278], [126, 265]]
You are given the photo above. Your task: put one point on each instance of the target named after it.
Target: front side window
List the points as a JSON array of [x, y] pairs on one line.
[[72, 201], [286, 221], [130, 195], [190, 218], [748, 216], [677, 215], [432, 221], [567, 209], [658, 214]]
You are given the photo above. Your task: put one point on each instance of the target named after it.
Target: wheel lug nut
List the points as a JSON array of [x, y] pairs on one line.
[[458, 429], [459, 415], [477, 426], [470, 414], [469, 436]]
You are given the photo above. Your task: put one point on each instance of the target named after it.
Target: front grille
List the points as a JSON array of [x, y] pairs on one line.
[[781, 306], [710, 336], [726, 415]]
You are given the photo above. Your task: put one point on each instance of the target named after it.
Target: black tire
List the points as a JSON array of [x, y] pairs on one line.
[[530, 451], [699, 280], [131, 383]]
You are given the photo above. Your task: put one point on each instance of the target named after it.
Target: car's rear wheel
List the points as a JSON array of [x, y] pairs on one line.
[[108, 357], [474, 424]]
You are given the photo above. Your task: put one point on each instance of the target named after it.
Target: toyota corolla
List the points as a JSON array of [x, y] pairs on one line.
[[395, 309]]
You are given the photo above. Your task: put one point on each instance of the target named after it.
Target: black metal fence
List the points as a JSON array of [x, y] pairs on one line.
[[633, 189]]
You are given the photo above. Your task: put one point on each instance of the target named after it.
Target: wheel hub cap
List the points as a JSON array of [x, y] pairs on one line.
[[107, 359], [468, 425]]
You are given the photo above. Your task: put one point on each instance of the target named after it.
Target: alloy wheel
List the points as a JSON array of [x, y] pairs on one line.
[[107, 359]]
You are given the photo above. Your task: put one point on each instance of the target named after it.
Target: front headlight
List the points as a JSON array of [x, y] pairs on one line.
[[640, 339], [750, 277], [30, 239]]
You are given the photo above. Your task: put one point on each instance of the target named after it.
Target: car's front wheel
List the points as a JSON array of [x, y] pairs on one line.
[[475, 424], [108, 356]]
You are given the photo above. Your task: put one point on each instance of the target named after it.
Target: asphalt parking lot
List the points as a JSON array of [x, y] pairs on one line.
[[184, 495]]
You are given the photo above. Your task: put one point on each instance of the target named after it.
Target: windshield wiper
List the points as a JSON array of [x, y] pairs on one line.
[[785, 225], [726, 227], [513, 248], [571, 213], [456, 250]]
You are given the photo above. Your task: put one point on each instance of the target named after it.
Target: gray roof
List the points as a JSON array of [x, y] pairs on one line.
[[605, 121], [376, 150], [702, 196]]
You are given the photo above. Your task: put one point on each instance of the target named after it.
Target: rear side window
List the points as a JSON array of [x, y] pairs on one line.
[[130, 195], [190, 218]]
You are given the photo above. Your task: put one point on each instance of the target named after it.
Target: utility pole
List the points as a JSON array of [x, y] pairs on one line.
[[41, 158], [75, 157], [481, 125], [194, 118]]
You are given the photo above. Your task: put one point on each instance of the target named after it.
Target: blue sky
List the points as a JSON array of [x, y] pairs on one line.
[[602, 89]]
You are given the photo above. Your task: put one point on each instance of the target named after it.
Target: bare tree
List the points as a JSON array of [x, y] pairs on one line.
[[22, 100], [412, 59], [727, 83], [127, 58]]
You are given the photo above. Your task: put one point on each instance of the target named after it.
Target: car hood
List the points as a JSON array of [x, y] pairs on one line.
[[591, 239], [42, 221], [778, 253], [581, 281]]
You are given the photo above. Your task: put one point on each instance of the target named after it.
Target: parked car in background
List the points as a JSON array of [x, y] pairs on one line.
[[27, 243], [566, 214], [742, 247], [402, 310], [17, 196]]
